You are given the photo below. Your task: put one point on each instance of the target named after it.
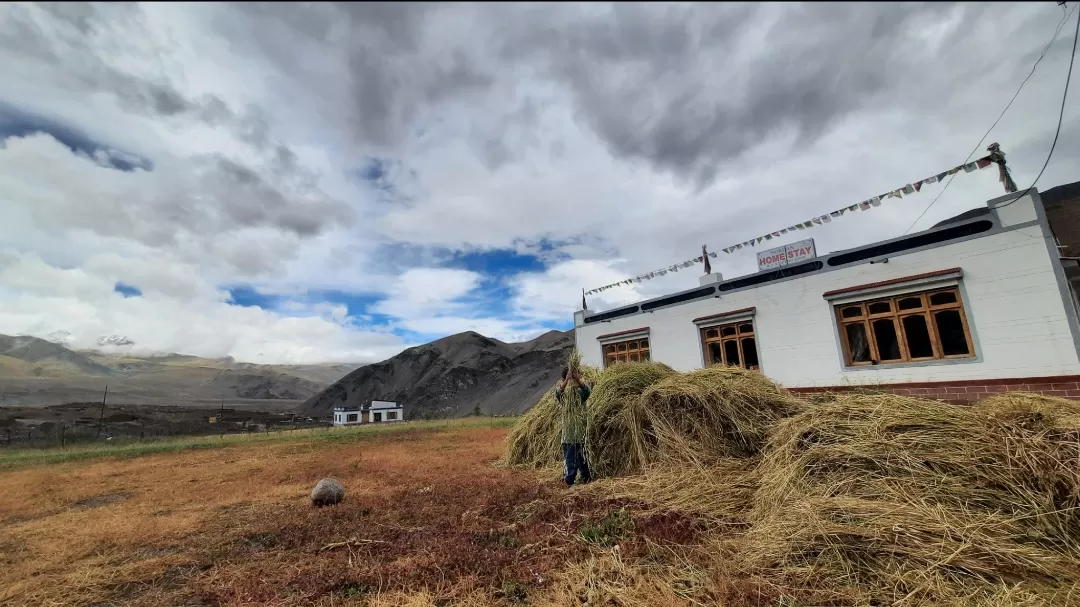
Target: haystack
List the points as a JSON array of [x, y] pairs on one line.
[[710, 413], [611, 408], [894, 495], [643, 414]]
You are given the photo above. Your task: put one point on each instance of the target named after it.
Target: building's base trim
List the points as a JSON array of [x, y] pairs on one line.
[[968, 390]]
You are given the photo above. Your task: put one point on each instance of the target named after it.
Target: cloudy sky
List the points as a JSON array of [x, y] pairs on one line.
[[305, 183]]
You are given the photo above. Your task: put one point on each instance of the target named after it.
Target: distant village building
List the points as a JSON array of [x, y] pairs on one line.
[[981, 303], [378, 412]]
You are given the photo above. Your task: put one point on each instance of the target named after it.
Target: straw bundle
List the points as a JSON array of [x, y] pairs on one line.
[[721, 493], [611, 406], [705, 414], [1041, 438], [874, 491], [907, 552]]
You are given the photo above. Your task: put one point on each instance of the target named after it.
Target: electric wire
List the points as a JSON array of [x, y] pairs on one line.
[[1057, 31]]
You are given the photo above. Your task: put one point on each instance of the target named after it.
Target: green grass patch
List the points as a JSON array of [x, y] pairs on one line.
[[608, 532], [134, 448]]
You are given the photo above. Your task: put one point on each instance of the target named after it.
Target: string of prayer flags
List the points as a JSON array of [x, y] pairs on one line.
[[657, 273], [996, 157]]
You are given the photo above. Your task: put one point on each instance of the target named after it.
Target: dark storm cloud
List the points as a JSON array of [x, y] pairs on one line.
[[686, 88], [254, 201], [67, 46], [390, 73], [225, 194]]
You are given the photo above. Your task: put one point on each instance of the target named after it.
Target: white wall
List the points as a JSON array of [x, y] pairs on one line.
[[1015, 311], [340, 418]]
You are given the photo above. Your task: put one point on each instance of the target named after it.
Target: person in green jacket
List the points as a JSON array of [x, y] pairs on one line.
[[571, 394]]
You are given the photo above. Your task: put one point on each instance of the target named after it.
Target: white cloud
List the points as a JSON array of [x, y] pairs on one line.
[[611, 140], [39, 299]]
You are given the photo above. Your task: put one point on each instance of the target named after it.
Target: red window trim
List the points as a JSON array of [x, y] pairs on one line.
[[893, 281], [626, 332], [722, 315]]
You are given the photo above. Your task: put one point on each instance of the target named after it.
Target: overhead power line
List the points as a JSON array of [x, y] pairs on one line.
[[1057, 31], [1061, 116]]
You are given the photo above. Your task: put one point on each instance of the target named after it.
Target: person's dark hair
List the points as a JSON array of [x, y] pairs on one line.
[[565, 372]]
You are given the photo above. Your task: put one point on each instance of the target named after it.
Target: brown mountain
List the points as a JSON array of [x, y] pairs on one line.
[[454, 376]]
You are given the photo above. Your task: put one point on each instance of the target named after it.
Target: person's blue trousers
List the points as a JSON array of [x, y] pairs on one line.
[[574, 458]]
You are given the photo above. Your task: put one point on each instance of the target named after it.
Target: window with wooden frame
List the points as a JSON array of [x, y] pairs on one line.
[[630, 350], [732, 344], [914, 327]]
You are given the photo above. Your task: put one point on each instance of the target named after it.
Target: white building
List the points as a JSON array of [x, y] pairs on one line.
[[980, 303], [379, 411]]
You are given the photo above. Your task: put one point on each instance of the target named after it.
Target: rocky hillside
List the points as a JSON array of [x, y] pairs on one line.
[[452, 376]]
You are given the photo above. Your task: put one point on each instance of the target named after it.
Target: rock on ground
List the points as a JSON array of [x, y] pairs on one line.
[[327, 492]]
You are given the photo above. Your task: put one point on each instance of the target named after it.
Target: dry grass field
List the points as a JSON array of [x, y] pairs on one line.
[[428, 519]]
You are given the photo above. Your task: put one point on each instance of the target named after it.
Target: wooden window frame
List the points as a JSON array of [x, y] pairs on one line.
[[637, 348], [926, 310], [738, 336]]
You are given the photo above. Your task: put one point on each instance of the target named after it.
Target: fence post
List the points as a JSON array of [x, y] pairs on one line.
[[62, 437], [101, 417]]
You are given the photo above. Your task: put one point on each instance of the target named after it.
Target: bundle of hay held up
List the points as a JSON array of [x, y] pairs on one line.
[[535, 442], [922, 502]]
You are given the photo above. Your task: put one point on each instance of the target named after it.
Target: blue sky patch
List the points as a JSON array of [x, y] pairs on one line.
[[248, 297], [127, 290], [496, 263]]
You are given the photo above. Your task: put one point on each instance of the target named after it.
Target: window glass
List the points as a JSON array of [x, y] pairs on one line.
[[910, 303], [943, 298], [749, 348], [851, 312], [715, 356], [879, 307], [731, 352], [858, 344], [888, 346], [917, 337], [950, 328]]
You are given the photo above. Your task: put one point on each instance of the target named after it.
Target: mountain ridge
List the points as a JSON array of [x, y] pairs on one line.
[[454, 376], [35, 371]]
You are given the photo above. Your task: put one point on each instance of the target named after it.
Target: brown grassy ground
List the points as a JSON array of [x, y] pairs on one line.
[[432, 522]]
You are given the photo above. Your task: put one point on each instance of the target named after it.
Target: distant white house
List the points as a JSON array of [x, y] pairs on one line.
[[378, 412]]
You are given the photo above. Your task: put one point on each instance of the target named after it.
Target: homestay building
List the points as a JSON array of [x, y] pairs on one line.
[[379, 411], [984, 302]]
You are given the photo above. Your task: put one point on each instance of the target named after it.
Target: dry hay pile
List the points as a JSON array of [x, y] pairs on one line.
[[896, 499], [645, 414], [611, 407], [862, 499], [708, 414]]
